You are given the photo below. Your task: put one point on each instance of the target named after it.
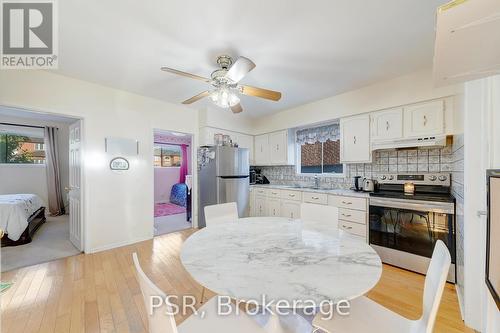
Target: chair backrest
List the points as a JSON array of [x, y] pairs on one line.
[[222, 213], [435, 281], [160, 319], [329, 215]]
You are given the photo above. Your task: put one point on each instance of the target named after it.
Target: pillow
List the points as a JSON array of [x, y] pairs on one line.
[[178, 195]]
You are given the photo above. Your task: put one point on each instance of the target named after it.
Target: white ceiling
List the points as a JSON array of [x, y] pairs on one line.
[[308, 50]]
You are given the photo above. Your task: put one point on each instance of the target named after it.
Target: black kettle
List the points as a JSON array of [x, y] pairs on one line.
[[358, 183]]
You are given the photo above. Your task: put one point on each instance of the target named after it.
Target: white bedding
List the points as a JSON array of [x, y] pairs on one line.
[[15, 209]]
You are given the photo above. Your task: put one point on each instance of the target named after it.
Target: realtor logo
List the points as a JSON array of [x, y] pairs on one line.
[[29, 34]]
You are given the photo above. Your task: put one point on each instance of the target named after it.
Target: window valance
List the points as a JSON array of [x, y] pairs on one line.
[[321, 134]]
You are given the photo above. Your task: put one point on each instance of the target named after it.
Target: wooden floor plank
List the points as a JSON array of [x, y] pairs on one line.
[[99, 292]]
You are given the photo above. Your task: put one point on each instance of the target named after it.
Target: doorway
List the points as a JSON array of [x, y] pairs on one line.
[[173, 181], [40, 165]]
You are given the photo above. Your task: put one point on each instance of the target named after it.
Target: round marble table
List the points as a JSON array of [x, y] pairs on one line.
[[281, 259]]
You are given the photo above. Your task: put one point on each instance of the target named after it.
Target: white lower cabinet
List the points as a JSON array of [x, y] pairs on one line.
[[290, 209], [273, 207], [260, 206]]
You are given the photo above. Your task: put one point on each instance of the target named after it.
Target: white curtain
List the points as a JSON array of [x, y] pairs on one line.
[[56, 202], [321, 134]]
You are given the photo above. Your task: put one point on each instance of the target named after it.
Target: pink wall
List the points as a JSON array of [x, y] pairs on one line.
[[165, 178]]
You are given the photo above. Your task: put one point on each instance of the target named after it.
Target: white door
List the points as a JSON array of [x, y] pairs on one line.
[[273, 207], [74, 191], [262, 149], [260, 206], [387, 125], [278, 147], [355, 140], [424, 119], [290, 209]]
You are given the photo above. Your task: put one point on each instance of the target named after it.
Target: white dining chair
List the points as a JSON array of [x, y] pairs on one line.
[[327, 216], [369, 316], [221, 213], [162, 319]]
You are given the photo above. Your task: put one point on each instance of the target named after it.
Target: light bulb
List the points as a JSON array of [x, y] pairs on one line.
[[224, 98]]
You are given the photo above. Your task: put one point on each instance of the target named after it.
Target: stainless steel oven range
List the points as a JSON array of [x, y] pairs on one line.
[[408, 214]]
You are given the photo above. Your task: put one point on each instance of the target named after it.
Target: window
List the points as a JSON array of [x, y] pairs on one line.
[[319, 150], [167, 155], [21, 148]]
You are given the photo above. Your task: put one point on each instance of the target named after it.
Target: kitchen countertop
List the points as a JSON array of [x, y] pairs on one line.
[[347, 193]]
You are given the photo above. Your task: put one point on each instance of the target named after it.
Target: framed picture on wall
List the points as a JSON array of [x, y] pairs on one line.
[[493, 234]]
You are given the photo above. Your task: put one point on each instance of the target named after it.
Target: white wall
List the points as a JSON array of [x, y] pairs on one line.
[[33, 178], [165, 178], [412, 88], [224, 119], [118, 206]]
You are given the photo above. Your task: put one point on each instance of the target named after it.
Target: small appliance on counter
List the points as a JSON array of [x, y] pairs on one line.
[[363, 184], [259, 178]]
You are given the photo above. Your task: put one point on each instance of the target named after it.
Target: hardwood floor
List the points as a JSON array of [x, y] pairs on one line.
[[99, 292]]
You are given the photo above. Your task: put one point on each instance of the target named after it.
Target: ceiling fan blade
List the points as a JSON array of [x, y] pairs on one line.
[[192, 76], [196, 98], [237, 108], [239, 69], [259, 92]]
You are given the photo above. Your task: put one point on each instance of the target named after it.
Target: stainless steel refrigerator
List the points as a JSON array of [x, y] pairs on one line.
[[223, 176]]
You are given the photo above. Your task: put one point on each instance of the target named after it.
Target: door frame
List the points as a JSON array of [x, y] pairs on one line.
[[82, 154], [194, 173]]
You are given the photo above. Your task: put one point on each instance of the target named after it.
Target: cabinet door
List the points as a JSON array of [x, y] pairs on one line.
[[251, 203], [387, 125], [246, 141], [424, 119], [355, 139], [262, 150], [290, 209], [260, 206], [273, 207], [278, 146]]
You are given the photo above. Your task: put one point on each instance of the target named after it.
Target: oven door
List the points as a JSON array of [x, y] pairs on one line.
[[412, 226]]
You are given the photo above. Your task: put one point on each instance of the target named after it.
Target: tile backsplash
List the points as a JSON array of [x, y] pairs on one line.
[[423, 160]]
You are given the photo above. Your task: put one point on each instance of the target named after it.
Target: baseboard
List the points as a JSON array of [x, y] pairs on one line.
[[119, 244], [460, 301]]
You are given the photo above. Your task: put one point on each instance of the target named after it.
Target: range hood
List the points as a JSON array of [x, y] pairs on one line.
[[429, 141]]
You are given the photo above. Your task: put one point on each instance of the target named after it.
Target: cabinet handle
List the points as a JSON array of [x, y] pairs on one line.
[[387, 126], [346, 227], [291, 215], [347, 202], [277, 147], [425, 120], [346, 215], [355, 139], [315, 198], [291, 195], [274, 193], [274, 211]]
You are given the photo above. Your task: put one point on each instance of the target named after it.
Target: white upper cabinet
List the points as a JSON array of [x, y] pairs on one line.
[[261, 154], [425, 119], [467, 45], [275, 148], [355, 139], [387, 125], [243, 140], [278, 145]]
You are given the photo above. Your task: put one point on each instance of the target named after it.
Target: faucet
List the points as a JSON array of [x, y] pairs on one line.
[[316, 181]]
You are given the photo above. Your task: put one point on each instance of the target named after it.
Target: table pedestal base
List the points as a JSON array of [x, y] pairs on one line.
[[290, 323]]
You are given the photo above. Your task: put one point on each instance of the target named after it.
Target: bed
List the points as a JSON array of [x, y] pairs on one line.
[[20, 217]]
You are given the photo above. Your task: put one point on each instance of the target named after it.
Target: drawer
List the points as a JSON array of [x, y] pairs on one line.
[[347, 202], [353, 228], [260, 191], [273, 193], [317, 198], [291, 195], [352, 215]]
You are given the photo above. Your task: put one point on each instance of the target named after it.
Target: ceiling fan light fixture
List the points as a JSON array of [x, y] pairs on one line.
[[224, 97]]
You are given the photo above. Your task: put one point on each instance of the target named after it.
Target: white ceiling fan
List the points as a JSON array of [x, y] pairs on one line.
[[225, 82]]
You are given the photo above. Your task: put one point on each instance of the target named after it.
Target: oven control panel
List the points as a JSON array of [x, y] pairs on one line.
[[441, 179]]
